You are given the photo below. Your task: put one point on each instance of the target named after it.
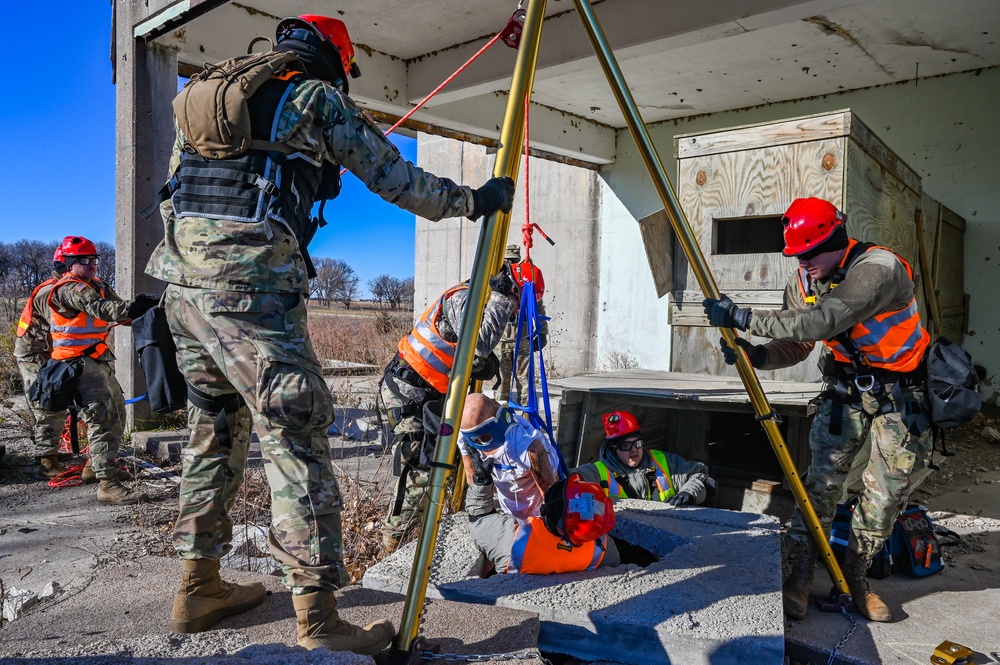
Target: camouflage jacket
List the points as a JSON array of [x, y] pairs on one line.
[[35, 345], [328, 126], [496, 313], [70, 299], [875, 283]]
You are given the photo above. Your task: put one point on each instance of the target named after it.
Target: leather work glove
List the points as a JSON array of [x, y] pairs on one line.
[[496, 194], [505, 284], [540, 341], [483, 475], [682, 499], [755, 352], [725, 314], [142, 304]]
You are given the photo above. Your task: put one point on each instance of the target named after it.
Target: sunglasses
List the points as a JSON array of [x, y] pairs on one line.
[[88, 260], [626, 446], [811, 254]]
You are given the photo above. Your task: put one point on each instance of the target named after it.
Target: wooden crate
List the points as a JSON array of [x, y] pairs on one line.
[[941, 292], [734, 185]]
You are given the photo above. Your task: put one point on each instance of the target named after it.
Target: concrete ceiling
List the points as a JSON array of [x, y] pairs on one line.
[[679, 58]]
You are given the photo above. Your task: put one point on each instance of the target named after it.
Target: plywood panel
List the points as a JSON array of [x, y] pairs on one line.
[[949, 260], [753, 183], [696, 350], [658, 239], [749, 137], [879, 208], [686, 308]]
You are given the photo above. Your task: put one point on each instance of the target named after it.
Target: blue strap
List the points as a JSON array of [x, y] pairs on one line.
[[137, 399], [528, 316]]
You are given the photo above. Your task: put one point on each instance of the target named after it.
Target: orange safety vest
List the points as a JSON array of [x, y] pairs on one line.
[[894, 341], [665, 489], [537, 551], [425, 350], [83, 332], [27, 314]]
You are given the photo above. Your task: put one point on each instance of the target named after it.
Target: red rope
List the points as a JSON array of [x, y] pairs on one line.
[[526, 229], [68, 478]]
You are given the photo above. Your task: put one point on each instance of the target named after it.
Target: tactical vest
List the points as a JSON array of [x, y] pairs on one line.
[[893, 341], [660, 476], [537, 551], [258, 185], [80, 335], [425, 350], [28, 313]]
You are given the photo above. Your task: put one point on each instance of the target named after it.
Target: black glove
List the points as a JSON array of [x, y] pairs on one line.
[[755, 352], [725, 314], [483, 475], [505, 284], [540, 341], [485, 368], [682, 499], [496, 194], [142, 304]]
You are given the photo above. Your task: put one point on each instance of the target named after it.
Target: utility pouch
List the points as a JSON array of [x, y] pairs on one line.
[[952, 385], [211, 109], [55, 386]]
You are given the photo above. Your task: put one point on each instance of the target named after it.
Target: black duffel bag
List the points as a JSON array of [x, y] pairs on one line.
[[55, 386], [952, 385]]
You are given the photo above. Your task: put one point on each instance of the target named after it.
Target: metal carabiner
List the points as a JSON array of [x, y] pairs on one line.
[[864, 388]]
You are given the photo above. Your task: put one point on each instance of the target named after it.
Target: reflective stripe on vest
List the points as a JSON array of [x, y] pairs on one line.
[[664, 487], [27, 314], [537, 551], [72, 336], [425, 351], [893, 341]]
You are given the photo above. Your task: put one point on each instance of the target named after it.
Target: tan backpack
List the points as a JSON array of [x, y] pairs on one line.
[[211, 109]]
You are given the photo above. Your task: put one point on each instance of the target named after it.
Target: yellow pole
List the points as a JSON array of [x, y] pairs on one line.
[[489, 254], [682, 229]]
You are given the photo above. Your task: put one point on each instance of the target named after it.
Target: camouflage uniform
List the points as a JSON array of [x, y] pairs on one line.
[[901, 440], [32, 351], [102, 405], [236, 306], [409, 441]]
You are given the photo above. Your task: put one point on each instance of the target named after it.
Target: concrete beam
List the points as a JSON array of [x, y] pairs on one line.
[[146, 82]]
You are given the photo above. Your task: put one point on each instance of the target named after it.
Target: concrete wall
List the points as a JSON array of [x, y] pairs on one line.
[[573, 219], [944, 128]]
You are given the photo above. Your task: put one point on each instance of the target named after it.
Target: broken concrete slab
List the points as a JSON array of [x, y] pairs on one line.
[[120, 616], [713, 594]]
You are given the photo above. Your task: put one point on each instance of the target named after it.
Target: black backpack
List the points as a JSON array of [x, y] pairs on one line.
[[55, 386], [952, 385]]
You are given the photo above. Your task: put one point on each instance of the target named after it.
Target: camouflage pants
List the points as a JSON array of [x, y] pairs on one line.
[[47, 426], [520, 377], [102, 407], [252, 353], [409, 500], [901, 444]]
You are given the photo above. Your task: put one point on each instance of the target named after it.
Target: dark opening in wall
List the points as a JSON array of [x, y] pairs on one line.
[[630, 553], [747, 235]]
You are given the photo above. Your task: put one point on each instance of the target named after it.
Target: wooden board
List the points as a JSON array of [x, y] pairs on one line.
[[763, 135], [658, 239], [949, 266], [695, 349], [686, 308]]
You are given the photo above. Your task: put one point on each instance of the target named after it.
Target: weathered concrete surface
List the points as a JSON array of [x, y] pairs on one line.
[[120, 616], [713, 595]]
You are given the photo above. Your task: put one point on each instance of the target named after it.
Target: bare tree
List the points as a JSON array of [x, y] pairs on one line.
[[382, 288], [407, 292], [335, 280], [349, 290], [108, 270]]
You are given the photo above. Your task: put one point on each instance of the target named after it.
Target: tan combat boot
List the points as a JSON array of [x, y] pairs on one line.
[[88, 476], [204, 597], [870, 605], [795, 591], [320, 627], [51, 466], [113, 492]]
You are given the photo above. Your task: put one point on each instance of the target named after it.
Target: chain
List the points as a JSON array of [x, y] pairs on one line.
[[528, 654], [847, 636]]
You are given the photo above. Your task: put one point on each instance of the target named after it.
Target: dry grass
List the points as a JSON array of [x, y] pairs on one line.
[[370, 340]]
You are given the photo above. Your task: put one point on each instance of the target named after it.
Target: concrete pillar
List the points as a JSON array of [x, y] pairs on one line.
[[146, 82]]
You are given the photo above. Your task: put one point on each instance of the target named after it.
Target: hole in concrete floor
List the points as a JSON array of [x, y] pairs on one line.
[[634, 554]]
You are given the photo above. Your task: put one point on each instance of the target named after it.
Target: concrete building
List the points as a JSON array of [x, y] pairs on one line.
[[924, 75]]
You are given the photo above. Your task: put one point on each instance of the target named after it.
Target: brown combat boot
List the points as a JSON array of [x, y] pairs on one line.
[[88, 476], [51, 466], [204, 597], [870, 605], [114, 493], [320, 626], [795, 591]]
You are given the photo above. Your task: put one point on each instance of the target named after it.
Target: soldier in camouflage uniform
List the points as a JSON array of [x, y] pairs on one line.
[[80, 307], [858, 300], [235, 257], [520, 376], [414, 385]]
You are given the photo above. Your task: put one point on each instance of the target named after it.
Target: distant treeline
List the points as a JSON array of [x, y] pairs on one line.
[[336, 281]]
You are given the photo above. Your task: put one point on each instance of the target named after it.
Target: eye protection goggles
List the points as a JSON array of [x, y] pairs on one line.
[[491, 433], [88, 260], [628, 444]]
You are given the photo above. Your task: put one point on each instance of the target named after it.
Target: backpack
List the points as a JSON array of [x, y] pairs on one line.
[[915, 543], [952, 385], [55, 386], [211, 109]]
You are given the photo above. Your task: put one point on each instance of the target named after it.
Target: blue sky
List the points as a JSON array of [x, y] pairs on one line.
[[57, 117]]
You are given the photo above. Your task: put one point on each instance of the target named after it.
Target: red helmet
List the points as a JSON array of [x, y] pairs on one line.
[[618, 424], [527, 270], [808, 224], [577, 511], [331, 30], [75, 246], [58, 256]]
